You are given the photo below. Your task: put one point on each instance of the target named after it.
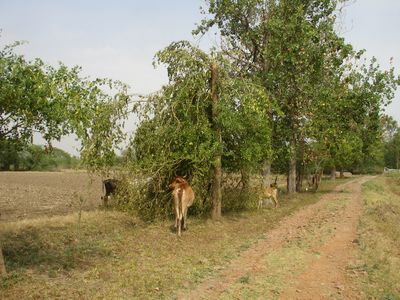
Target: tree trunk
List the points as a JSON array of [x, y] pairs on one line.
[[299, 179], [341, 173], [216, 194], [266, 173], [2, 264], [333, 173], [300, 174], [292, 170], [291, 182], [300, 167], [292, 176]]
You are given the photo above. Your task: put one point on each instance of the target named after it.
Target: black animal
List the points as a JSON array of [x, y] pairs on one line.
[[110, 186]]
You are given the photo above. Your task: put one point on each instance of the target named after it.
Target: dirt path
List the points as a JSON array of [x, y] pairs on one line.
[[307, 256]]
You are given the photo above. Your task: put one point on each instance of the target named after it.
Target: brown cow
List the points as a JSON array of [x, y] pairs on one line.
[[183, 196], [270, 192]]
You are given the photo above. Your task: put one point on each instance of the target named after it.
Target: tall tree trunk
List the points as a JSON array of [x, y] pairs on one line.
[[266, 173], [341, 173], [291, 185], [292, 175], [300, 168], [216, 194], [2, 264], [291, 180], [333, 173], [300, 178]]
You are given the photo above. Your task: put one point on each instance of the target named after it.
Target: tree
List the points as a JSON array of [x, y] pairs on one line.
[[24, 89], [57, 101], [245, 36], [324, 93], [392, 155], [285, 45], [391, 140], [389, 127], [374, 89], [198, 124], [216, 196]]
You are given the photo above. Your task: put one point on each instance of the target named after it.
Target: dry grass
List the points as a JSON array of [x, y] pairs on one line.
[[113, 255], [380, 238]]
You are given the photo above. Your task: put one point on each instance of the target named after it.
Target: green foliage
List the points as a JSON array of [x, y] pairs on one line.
[[290, 47], [391, 140], [24, 87], [8, 155], [34, 158], [176, 137], [329, 102], [35, 97]]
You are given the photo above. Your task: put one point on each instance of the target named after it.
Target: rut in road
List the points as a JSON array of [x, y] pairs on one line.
[[307, 256]]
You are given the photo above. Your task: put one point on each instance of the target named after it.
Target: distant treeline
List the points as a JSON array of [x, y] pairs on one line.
[[35, 158]]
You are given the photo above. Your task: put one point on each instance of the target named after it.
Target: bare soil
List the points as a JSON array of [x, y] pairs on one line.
[[25, 195], [310, 253]]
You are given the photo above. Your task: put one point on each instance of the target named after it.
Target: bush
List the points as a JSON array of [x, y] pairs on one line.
[[151, 198]]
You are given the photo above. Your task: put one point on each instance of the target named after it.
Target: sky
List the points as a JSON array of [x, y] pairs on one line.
[[118, 39]]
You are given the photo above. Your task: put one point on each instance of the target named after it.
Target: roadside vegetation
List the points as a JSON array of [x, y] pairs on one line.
[[380, 238]]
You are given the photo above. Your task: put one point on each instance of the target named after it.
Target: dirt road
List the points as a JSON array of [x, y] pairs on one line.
[[308, 255]]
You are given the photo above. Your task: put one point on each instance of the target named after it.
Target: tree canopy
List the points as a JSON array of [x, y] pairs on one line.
[[325, 93], [176, 135], [55, 101]]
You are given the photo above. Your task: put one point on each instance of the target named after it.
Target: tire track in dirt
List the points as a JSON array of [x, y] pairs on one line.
[[324, 276], [327, 276]]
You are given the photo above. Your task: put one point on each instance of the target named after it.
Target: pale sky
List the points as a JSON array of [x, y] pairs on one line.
[[118, 39]]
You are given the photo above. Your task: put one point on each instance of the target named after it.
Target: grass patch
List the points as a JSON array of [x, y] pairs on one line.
[[114, 256], [380, 238], [244, 279], [11, 279], [57, 243]]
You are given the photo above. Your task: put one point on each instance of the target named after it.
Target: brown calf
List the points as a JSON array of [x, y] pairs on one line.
[[270, 192], [183, 196]]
